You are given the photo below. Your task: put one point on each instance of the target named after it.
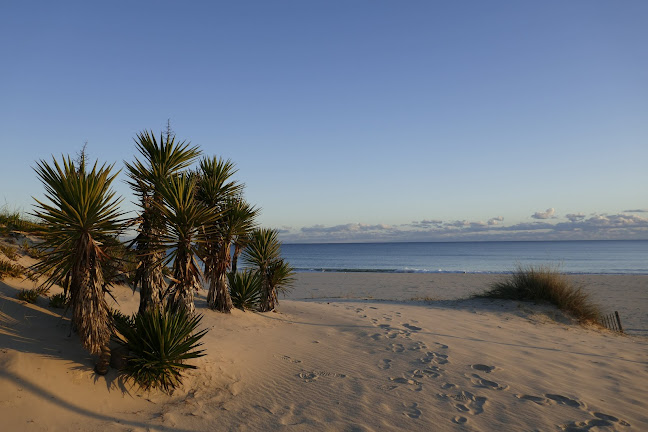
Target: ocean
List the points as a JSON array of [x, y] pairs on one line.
[[577, 257]]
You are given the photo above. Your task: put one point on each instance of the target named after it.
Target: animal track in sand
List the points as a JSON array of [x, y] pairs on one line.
[[412, 327], [481, 382], [412, 411], [483, 368], [288, 359]]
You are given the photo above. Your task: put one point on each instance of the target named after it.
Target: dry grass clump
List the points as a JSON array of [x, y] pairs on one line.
[[9, 269], [15, 221], [544, 283], [9, 251]]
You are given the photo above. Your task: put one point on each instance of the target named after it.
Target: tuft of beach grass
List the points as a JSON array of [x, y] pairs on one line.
[[545, 283]]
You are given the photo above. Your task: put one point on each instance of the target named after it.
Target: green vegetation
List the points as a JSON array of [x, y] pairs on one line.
[[545, 283], [58, 301], [16, 221], [263, 253], [159, 342], [184, 216], [9, 269], [29, 295], [9, 251], [245, 289], [160, 160], [81, 219]]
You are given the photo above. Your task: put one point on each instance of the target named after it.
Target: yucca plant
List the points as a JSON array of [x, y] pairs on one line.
[[183, 217], [80, 220], [263, 253], [159, 344], [245, 289], [215, 192], [282, 276], [161, 159]]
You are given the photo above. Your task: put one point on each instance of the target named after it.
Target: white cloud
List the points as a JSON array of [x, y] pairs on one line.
[[495, 220], [577, 227], [575, 217], [544, 215]]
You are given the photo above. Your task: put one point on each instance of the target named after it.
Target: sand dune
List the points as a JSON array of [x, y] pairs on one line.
[[343, 364]]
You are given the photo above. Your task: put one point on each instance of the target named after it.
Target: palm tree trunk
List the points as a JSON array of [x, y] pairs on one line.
[[219, 297]]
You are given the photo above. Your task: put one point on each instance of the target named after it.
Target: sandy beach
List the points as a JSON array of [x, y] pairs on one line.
[[349, 352]]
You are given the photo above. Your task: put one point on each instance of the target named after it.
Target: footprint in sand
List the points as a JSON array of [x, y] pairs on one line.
[[481, 382], [413, 384], [466, 402], [564, 400], [288, 359], [428, 372], [601, 421], [385, 364], [483, 368], [412, 411], [397, 348], [459, 420], [412, 327], [418, 346], [536, 399], [435, 357]]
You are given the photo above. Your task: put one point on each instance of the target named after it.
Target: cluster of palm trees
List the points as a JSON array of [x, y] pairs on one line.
[[186, 217]]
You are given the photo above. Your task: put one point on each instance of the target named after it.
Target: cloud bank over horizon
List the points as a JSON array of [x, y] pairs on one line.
[[548, 226]]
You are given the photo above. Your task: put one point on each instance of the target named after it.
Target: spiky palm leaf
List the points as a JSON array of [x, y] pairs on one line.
[[184, 217], [245, 289], [216, 191], [262, 251], [282, 276], [161, 159], [160, 342], [81, 218]]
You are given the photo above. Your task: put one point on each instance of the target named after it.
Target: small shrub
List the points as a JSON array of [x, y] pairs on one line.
[[30, 251], [58, 301], [9, 251], [29, 296], [9, 269], [245, 289], [159, 343], [545, 283]]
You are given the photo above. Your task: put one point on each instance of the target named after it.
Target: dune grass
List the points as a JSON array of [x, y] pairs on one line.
[[12, 220], [9, 269], [545, 284]]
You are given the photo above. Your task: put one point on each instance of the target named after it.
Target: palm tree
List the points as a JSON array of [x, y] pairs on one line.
[[81, 221], [184, 218], [264, 252], [247, 217], [235, 222], [215, 192], [161, 160]]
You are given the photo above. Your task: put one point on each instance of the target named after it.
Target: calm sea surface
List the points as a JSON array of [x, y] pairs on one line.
[[596, 257]]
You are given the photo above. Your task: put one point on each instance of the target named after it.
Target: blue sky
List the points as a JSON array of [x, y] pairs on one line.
[[352, 120]]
